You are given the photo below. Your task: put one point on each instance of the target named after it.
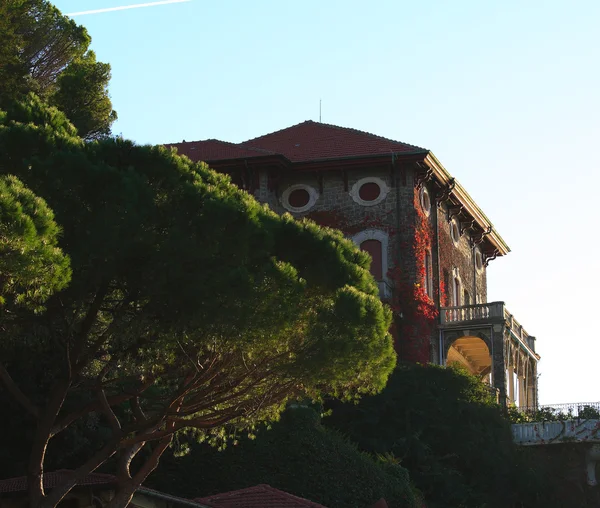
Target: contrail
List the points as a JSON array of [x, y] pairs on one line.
[[124, 7]]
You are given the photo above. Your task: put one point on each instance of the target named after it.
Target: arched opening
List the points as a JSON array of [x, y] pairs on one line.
[[375, 242], [374, 248], [474, 354]]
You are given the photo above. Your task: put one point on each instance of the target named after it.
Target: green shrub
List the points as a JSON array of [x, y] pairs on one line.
[[444, 427], [298, 455]]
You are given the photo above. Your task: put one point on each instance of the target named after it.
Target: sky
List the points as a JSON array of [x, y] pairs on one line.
[[506, 95]]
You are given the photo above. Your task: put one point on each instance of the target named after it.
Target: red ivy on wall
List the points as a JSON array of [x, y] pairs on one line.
[[411, 301], [414, 308]]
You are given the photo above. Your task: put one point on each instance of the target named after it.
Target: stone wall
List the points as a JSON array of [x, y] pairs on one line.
[[458, 260], [395, 216]]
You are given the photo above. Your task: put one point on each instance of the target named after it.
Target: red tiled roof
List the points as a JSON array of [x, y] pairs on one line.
[[260, 496], [311, 141], [305, 142], [53, 479], [214, 150]]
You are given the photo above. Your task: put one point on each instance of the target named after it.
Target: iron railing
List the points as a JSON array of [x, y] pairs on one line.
[[558, 412]]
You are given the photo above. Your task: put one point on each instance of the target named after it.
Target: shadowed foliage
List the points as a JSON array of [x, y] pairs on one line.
[[297, 455], [444, 427]]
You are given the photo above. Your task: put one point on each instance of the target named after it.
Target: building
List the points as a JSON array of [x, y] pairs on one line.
[[430, 242]]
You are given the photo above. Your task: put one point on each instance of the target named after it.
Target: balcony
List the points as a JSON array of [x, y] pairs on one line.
[[487, 340], [487, 314]]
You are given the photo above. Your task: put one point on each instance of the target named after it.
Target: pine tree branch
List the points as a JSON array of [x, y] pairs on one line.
[[17, 393]]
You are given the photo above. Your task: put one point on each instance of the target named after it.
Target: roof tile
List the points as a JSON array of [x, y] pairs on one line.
[[309, 141], [260, 496], [305, 142], [214, 149]]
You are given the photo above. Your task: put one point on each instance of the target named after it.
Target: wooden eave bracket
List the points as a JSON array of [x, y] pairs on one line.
[[487, 258], [423, 176], [477, 239], [444, 195], [454, 211], [465, 226]]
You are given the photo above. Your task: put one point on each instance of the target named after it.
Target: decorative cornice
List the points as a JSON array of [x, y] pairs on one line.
[[487, 259], [458, 193], [477, 239], [445, 193], [424, 176]]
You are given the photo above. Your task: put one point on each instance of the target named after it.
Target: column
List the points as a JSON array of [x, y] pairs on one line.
[[522, 397]]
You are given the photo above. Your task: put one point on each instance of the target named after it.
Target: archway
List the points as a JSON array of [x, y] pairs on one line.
[[472, 353]]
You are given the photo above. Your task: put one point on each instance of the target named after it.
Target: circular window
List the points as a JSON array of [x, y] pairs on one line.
[[478, 259], [455, 231], [369, 191], [299, 198], [425, 200]]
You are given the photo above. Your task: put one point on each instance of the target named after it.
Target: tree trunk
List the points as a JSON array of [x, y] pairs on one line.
[[126, 490], [35, 469]]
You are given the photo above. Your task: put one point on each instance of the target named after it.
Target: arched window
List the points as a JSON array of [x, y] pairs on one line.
[[456, 293], [428, 271], [467, 298], [374, 248], [375, 242]]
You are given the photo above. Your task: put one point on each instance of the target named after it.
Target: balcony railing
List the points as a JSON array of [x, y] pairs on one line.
[[486, 313], [555, 412], [471, 312]]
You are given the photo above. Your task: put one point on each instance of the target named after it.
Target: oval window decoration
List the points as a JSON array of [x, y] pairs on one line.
[[369, 191], [478, 260], [425, 200], [455, 231], [299, 198]]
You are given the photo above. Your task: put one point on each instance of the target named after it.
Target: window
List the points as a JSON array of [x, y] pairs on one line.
[[373, 247], [369, 191], [428, 271], [446, 296], [375, 242], [456, 293], [425, 200], [299, 198], [455, 231], [478, 260], [467, 298]]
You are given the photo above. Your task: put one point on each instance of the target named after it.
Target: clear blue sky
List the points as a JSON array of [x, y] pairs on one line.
[[506, 94]]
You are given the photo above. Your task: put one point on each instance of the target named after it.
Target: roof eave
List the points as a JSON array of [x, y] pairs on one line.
[[338, 161], [168, 497], [444, 177], [259, 159]]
